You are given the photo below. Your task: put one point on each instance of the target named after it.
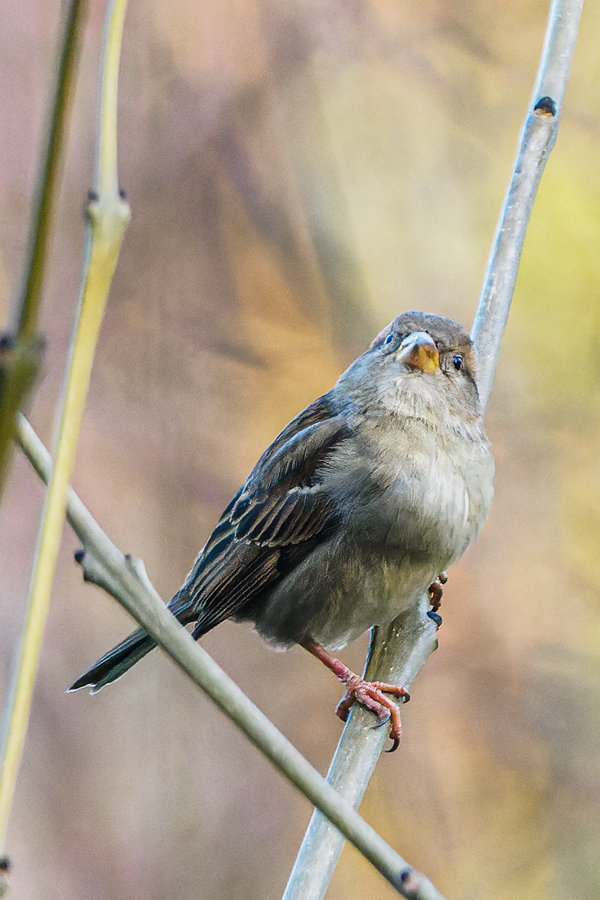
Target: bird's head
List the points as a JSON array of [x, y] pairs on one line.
[[419, 360]]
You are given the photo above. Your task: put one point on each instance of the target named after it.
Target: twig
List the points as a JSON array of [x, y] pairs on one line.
[[536, 141], [126, 580], [395, 659], [108, 215], [322, 845], [21, 347]]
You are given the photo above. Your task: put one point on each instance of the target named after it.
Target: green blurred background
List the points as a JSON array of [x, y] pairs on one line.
[[300, 173]]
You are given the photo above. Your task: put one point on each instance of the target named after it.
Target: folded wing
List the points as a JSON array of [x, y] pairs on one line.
[[274, 521]]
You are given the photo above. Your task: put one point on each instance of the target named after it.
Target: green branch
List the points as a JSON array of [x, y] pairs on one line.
[[108, 215], [21, 348]]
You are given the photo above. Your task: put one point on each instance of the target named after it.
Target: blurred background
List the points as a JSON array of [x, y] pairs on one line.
[[299, 173]]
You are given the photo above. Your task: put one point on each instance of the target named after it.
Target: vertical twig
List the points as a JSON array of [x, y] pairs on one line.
[[322, 844], [108, 215], [536, 141], [20, 348]]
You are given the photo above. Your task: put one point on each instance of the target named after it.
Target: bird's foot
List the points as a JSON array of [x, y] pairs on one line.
[[372, 695], [435, 591]]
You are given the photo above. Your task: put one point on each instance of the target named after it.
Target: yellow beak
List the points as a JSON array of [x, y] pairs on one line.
[[419, 351]]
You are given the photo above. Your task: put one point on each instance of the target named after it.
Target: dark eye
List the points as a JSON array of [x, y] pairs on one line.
[[457, 361], [392, 342]]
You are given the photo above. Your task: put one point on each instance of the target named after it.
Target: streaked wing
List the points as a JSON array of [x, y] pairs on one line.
[[271, 524]]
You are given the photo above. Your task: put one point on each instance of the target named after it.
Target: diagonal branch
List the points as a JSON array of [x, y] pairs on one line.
[[393, 653], [126, 580]]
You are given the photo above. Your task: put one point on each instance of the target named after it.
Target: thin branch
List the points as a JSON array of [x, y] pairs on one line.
[[127, 581], [21, 347], [538, 136], [17, 373], [396, 659], [108, 215], [322, 845], [27, 312]]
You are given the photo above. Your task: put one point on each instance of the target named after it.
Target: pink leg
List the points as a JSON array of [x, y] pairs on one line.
[[370, 694], [436, 590]]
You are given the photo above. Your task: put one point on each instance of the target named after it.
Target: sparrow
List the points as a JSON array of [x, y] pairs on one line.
[[354, 510]]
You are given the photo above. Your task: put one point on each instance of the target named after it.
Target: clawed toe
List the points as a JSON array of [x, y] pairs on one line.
[[395, 741], [384, 719], [372, 695]]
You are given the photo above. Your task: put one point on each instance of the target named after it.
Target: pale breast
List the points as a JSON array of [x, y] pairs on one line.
[[409, 507], [410, 491]]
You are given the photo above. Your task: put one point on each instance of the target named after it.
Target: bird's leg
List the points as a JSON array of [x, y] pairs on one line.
[[370, 694], [436, 591], [434, 594]]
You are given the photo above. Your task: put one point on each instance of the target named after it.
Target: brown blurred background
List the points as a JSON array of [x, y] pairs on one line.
[[299, 173]]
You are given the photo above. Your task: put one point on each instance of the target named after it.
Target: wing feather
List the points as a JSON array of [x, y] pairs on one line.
[[270, 524]]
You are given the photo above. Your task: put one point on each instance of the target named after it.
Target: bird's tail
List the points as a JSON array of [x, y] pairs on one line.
[[116, 662]]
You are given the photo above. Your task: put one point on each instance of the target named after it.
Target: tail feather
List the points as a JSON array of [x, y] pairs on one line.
[[116, 662]]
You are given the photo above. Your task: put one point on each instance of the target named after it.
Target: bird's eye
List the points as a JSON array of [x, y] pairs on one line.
[[457, 361], [391, 343]]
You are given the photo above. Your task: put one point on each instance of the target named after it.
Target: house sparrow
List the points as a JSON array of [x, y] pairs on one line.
[[353, 511]]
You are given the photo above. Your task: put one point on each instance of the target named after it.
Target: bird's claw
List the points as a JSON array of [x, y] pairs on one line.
[[395, 742], [383, 720], [372, 695]]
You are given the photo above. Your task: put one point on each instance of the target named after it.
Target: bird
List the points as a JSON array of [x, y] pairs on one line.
[[355, 509]]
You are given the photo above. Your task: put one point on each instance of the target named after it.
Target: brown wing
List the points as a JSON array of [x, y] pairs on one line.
[[271, 524]]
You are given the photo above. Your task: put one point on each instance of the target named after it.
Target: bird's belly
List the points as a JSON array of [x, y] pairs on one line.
[[400, 538], [340, 594]]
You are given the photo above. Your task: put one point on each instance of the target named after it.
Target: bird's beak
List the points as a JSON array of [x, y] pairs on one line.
[[419, 351]]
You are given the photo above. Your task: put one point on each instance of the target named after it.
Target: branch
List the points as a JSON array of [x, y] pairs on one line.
[[390, 652], [536, 141], [108, 215], [126, 580], [21, 347], [395, 658]]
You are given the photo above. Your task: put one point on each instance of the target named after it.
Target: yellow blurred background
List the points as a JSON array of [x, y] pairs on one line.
[[300, 173]]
